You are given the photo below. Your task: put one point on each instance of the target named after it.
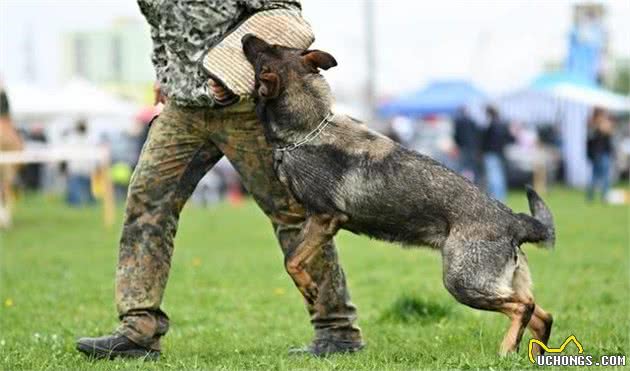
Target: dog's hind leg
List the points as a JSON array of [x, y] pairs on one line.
[[521, 307], [540, 326], [541, 321], [488, 275], [520, 314], [318, 230]]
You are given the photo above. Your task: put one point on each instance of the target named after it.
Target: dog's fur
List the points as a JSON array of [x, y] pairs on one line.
[[353, 178]]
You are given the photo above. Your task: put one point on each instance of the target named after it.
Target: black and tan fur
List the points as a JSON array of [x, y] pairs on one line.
[[350, 177]]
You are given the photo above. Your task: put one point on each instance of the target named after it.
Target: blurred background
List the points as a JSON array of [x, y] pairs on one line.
[[554, 77], [504, 92]]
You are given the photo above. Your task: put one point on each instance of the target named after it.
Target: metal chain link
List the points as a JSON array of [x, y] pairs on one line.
[[310, 136]]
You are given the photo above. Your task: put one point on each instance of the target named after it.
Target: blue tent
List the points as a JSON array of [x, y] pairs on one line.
[[552, 79], [439, 97], [579, 89]]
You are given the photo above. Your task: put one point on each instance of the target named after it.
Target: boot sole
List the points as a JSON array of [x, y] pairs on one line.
[[102, 353], [307, 351]]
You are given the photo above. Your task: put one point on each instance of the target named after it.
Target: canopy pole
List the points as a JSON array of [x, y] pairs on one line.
[[370, 81]]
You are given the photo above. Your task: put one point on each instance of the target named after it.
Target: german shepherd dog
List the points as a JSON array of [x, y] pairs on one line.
[[350, 177]]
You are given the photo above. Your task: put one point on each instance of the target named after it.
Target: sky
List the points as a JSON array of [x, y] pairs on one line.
[[500, 45]]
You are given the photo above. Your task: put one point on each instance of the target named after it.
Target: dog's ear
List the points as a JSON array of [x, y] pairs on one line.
[[252, 46], [269, 85], [318, 59]]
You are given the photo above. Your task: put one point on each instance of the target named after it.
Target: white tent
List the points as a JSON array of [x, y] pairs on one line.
[[528, 106], [30, 102], [591, 96], [76, 98], [80, 97], [577, 89]]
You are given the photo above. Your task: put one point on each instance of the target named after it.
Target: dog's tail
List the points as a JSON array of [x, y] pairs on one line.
[[539, 227]]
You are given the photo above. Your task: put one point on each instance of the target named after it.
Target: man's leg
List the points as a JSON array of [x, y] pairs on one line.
[[239, 135], [605, 174], [495, 176], [590, 188], [175, 157], [72, 191]]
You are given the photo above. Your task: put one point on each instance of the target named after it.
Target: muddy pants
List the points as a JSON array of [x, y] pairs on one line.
[[183, 144]]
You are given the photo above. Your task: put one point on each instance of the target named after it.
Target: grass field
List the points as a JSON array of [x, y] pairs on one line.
[[232, 306]]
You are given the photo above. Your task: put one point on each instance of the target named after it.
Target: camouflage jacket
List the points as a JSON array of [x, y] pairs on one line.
[[183, 30]]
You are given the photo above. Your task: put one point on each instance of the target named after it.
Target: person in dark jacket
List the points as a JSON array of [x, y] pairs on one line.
[[599, 150], [467, 140], [494, 140]]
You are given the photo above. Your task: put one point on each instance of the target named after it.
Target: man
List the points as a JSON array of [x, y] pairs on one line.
[[495, 138], [191, 134], [599, 149], [467, 139], [79, 189]]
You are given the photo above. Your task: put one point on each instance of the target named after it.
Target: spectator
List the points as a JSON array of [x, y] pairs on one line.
[[31, 174], [9, 141], [467, 140], [403, 130], [79, 190], [599, 152], [120, 172], [495, 138]]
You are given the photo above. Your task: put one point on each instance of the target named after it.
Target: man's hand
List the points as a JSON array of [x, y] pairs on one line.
[[158, 97], [220, 94]]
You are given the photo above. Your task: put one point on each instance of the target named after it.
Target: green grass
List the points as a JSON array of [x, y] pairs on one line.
[[232, 306]]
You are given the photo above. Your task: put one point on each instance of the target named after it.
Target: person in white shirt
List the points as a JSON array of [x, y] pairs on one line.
[[79, 188]]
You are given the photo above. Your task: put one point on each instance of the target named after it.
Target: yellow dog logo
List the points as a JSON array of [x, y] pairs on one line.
[[553, 350]]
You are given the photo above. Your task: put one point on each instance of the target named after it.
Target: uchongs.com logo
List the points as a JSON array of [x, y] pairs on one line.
[[554, 356]]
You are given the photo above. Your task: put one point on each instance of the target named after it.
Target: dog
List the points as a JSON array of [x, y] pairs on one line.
[[349, 177]]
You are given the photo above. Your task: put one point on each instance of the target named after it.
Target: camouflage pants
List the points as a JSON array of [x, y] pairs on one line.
[[183, 144]]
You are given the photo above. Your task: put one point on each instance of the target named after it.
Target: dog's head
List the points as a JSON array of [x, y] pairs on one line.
[[276, 67]]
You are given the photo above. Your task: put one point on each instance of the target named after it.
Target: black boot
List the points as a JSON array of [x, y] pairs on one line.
[[115, 345], [325, 347]]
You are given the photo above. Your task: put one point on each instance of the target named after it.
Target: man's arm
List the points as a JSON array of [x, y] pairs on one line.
[[253, 6], [158, 58], [158, 53]]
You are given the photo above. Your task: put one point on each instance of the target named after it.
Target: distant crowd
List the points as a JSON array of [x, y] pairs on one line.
[[478, 152]]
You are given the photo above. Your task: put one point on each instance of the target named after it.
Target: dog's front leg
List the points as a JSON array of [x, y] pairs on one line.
[[318, 230]]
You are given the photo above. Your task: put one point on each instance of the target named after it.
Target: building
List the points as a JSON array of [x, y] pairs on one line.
[[117, 57]]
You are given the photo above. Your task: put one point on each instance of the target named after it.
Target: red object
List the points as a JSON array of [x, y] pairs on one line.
[[146, 114], [234, 194]]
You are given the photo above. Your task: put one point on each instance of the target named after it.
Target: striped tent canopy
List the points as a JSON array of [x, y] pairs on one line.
[[528, 106], [578, 89]]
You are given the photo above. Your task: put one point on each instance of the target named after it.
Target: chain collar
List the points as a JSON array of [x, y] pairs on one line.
[[310, 136]]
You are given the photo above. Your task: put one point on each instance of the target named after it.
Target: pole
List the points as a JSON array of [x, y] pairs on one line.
[[109, 201], [370, 83]]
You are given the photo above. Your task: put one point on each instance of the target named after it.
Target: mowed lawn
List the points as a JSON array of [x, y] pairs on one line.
[[232, 306]]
